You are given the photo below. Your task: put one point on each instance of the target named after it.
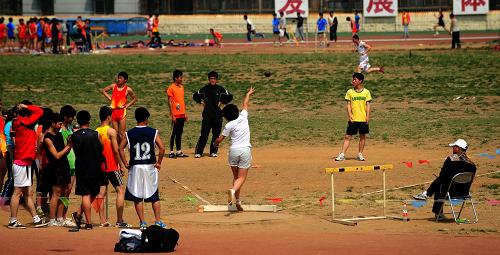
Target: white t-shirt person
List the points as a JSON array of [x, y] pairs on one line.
[[239, 131]]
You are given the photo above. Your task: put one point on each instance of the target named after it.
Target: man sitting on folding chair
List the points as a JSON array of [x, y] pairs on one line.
[[456, 163]]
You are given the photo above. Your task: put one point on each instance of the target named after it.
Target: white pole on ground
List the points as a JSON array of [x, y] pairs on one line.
[[333, 196], [107, 208], [383, 177]]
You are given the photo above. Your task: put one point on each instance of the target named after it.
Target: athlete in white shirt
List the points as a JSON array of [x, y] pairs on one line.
[[240, 154], [364, 62]]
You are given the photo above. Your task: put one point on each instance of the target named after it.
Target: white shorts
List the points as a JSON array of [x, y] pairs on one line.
[[142, 181], [364, 63], [22, 176], [240, 157]]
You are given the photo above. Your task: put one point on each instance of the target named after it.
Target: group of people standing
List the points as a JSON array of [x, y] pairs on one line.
[[44, 35], [39, 140]]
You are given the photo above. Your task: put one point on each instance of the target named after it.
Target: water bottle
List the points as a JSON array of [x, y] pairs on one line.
[[405, 211]]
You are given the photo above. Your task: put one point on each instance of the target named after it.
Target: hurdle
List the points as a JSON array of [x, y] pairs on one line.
[[353, 221]]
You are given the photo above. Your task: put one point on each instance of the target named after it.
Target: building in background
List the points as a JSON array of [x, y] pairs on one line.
[[141, 7]]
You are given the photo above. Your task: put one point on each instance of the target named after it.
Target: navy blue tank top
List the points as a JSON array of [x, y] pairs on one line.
[[141, 142]]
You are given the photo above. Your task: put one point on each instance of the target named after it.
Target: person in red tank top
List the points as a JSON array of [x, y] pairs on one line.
[[119, 104], [21, 34]]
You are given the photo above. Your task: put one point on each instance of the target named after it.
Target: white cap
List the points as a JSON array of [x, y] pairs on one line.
[[460, 143]]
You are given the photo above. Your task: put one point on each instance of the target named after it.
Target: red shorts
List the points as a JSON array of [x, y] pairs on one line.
[[118, 114]]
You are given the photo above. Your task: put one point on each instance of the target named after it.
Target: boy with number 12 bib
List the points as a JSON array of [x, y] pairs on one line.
[[143, 167], [119, 105]]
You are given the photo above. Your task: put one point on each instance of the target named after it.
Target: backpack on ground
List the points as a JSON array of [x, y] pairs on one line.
[[130, 240], [158, 239]]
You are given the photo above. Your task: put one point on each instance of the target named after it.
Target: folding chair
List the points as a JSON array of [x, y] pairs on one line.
[[454, 195]]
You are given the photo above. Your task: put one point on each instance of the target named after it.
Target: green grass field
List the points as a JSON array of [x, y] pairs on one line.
[[302, 102]]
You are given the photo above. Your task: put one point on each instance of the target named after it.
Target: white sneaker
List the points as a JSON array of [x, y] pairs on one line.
[[214, 155], [68, 223], [341, 157], [54, 223], [197, 155], [360, 157], [231, 197], [420, 196]]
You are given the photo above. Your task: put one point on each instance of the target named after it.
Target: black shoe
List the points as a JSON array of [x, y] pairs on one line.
[[88, 226], [171, 155], [40, 223], [77, 219], [181, 155]]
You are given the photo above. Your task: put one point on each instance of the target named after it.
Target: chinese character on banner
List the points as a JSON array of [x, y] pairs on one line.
[[380, 8], [466, 7], [292, 7]]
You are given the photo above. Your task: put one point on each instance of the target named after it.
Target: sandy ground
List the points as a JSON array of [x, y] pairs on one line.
[[295, 174]]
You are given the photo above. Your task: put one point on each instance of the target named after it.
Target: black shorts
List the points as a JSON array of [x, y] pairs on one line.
[[441, 24], [59, 177], [354, 127], [154, 198], [115, 178], [13, 38], [276, 32], [87, 186]]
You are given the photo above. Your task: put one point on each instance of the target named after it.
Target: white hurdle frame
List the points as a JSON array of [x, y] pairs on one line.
[[353, 221]]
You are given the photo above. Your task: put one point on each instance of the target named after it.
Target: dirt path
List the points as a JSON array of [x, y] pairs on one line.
[[295, 174]]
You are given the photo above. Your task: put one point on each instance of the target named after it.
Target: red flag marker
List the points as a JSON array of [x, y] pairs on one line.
[[321, 200], [423, 161], [408, 164], [275, 200]]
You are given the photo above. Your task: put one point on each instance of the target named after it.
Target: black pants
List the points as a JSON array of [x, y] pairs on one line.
[[333, 33], [55, 45], [215, 124], [455, 40], [177, 134], [436, 189]]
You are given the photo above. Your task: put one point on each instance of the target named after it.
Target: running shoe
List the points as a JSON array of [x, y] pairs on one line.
[[213, 155], [181, 155], [143, 226], [77, 218], [88, 226], [68, 223], [360, 157], [171, 155], [197, 155], [341, 157], [54, 223], [420, 196], [40, 223], [123, 224], [160, 224], [104, 225], [381, 70], [16, 225]]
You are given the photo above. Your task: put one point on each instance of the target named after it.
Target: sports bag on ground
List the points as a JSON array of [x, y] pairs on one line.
[[158, 239]]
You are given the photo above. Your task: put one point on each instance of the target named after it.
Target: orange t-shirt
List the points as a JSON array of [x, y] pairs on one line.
[[109, 157], [218, 35], [176, 94]]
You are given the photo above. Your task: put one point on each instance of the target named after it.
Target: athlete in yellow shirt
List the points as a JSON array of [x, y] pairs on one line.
[[358, 109]]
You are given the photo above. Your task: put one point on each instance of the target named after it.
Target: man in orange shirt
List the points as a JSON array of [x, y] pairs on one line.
[[354, 29], [112, 169], [217, 37], [175, 98], [119, 105], [406, 23]]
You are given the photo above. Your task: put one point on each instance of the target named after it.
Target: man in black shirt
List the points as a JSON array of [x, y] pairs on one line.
[[88, 152], [458, 162], [299, 33], [211, 97]]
